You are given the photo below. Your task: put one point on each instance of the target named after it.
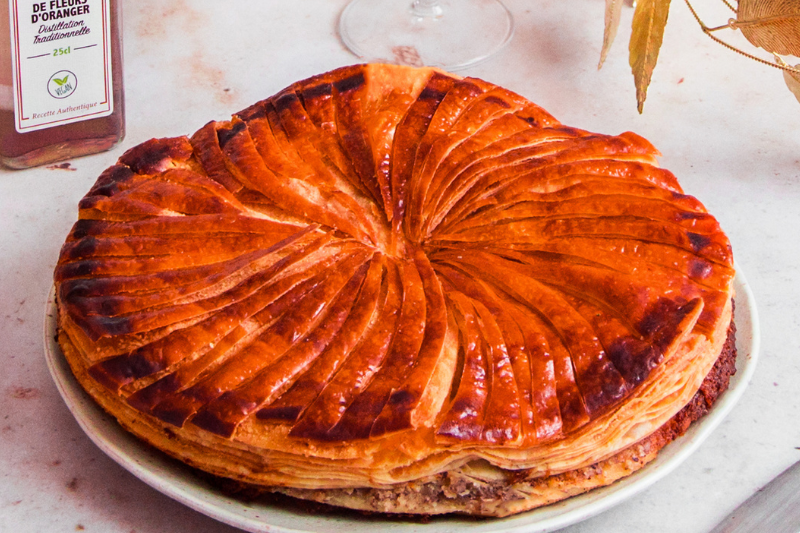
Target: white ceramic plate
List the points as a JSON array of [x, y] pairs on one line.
[[177, 481]]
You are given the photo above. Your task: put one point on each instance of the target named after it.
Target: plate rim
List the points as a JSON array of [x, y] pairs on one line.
[[157, 469]]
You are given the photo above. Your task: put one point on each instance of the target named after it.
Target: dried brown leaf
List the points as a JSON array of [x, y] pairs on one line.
[[613, 14], [791, 78], [773, 25], [649, 20]]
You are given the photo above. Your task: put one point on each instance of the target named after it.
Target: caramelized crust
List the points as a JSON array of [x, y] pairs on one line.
[[480, 489], [383, 273]]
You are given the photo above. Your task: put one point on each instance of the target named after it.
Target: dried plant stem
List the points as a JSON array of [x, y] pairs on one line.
[[733, 25], [717, 28]]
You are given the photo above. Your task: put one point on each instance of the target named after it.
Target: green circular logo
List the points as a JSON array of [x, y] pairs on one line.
[[62, 84]]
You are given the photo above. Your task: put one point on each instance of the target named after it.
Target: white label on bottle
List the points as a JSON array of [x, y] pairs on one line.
[[61, 55]]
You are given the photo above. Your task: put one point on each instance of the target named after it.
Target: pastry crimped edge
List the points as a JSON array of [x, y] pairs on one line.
[[520, 479]]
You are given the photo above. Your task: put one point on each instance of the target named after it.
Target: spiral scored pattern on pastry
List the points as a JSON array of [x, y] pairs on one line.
[[382, 273]]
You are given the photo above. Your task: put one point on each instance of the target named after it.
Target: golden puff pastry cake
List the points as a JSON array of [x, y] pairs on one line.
[[398, 290]]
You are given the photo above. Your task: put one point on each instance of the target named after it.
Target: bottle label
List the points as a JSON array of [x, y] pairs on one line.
[[61, 59]]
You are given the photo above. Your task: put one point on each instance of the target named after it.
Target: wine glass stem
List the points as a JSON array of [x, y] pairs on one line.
[[429, 9]]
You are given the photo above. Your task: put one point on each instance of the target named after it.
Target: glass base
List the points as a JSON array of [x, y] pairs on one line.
[[450, 34]]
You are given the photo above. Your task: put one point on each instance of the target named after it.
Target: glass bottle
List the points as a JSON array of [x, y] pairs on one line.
[[50, 37]]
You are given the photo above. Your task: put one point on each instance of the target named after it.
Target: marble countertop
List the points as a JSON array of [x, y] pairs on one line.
[[727, 126]]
